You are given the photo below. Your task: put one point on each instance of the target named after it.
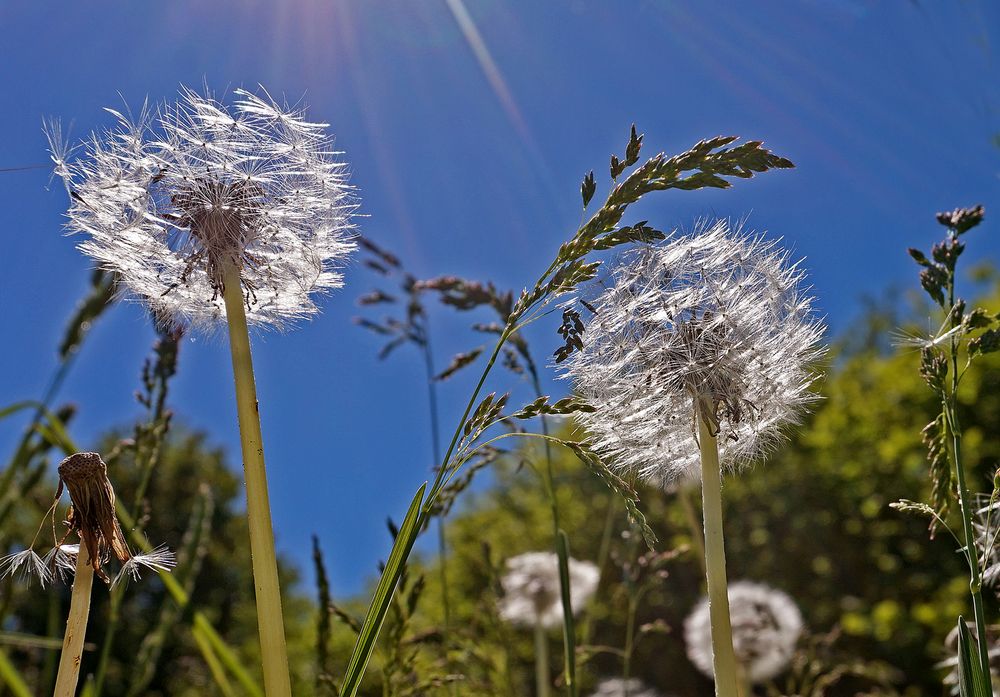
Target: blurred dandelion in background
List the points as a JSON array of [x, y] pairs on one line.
[[531, 589], [766, 623], [617, 687]]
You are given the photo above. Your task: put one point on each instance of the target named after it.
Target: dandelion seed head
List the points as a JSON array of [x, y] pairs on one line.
[[25, 565], [532, 592], [617, 687], [167, 200], [766, 627], [717, 317]]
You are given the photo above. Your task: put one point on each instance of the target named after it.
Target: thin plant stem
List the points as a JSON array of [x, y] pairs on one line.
[[442, 537], [541, 662], [274, 657], [691, 516], [724, 658], [76, 626], [629, 638], [569, 640], [950, 406]]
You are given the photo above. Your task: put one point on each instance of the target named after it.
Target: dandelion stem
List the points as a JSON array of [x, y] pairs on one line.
[[541, 661], [76, 626], [723, 656], [265, 566]]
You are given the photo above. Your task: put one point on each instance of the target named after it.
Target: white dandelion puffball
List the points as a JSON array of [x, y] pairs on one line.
[[766, 626], [718, 318], [168, 201], [532, 593], [617, 687]]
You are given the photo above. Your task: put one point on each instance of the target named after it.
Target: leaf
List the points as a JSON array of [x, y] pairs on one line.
[[918, 256], [632, 149], [987, 342], [365, 645], [458, 362], [973, 681], [566, 405], [588, 188], [11, 678]]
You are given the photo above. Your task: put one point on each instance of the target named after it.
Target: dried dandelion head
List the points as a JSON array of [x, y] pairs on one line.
[[532, 592], [717, 320], [766, 627], [169, 201], [617, 687], [92, 517]]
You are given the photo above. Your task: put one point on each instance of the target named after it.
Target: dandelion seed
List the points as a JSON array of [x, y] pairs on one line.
[[531, 589], [25, 565], [617, 687], [168, 201], [61, 561], [717, 317], [766, 627], [160, 559]]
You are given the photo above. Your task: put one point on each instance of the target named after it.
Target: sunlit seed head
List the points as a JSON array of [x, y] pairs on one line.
[[168, 201], [532, 592], [719, 319], [766, 628]]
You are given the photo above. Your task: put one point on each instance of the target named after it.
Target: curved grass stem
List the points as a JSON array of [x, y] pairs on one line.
[[270, 624]]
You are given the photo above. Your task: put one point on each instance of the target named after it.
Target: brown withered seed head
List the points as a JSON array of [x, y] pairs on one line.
[[92, 515]]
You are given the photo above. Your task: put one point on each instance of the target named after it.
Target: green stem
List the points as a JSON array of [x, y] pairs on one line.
[[633, 607], [691, 516], [950, 405], [76, 626], [274, 656], [541, 662], [569, 630], [724, 658]]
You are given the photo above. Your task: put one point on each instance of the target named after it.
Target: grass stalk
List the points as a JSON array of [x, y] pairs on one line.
[[270, 624], [541, 662], [950, 406], [724, 658], [76, 626]]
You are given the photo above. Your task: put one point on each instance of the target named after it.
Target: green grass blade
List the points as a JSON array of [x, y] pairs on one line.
[[11, 678], [973, 680], [365, 645], [569, 626], [223, 653]]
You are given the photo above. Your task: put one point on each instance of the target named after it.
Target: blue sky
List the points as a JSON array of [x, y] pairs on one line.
[[469, 125]]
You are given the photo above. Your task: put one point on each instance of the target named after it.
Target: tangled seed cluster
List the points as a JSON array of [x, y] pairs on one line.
[[167, 201], [717, 319]]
